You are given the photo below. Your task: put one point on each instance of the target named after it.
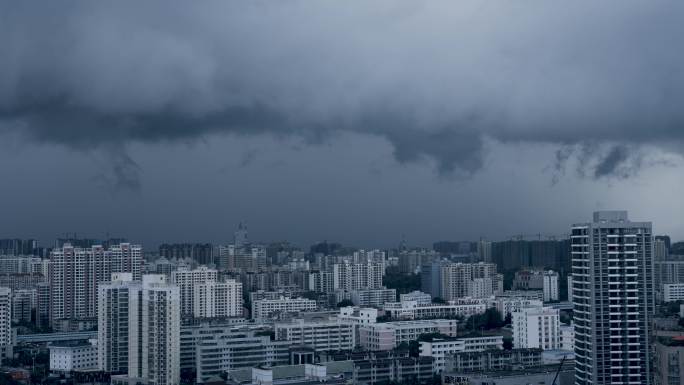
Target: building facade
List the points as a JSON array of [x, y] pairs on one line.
[[536, 327], [613, 299]]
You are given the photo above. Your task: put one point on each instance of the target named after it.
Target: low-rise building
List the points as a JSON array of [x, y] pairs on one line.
[[389, 335], [331, 334], [673, 292], [492, 360], [373, 297], [508, 304], [668, 361], [567, 337], [543, 375], [267, 308], [220, 351], [73, 356], [536, 327], [418, 296], [381, 367], [440, 348], [411, 310]]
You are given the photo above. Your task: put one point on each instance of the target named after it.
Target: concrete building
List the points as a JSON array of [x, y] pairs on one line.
[[14, 264], [567, 337], [484, 251], [418, 296], [430, 280], [439, 348], [388, 335], [118, 304], [139, 328], [43, 305], [373, 297], [492, 360], [223, 349], [544, 280], [455, 278], [536, 327], [76, 272], [186, 280], [266, 308], [354, 276], [161, 310], [550, 286], [126, 258], [217, 299], [480, 288], [541, 375], [73, 356], [508, 305], [613, 299], [24, 302], [673, 292], [382, 367], [321, 281], [74, 277], [668, 361], [6, 336], [411, 310], [321, 335]]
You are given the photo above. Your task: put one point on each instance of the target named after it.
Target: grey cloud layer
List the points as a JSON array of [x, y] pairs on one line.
[[436, 79]]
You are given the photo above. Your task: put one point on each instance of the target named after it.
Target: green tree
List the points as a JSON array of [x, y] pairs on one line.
[[402, 282], [344, 303]]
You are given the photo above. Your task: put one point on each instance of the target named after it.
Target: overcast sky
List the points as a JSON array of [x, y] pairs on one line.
[[349, 121]]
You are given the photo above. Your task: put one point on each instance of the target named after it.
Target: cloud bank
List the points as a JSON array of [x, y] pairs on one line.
[[436, 79]]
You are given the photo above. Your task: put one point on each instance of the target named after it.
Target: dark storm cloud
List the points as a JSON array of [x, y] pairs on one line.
[[436, 79]]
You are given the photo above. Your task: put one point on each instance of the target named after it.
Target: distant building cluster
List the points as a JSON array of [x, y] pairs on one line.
[[582, 310]]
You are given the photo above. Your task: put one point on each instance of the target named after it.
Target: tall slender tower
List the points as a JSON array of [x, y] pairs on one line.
[[6, 350], [139, 328], [160, 320], [613, 298]]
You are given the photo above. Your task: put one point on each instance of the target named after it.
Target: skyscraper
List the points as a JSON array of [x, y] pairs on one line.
[[160, 322], [613, 297], [139, 328], [115, 305], [186, 280], [126, 258], [217, 299], [74, 276], [5, 323], [76, 272]]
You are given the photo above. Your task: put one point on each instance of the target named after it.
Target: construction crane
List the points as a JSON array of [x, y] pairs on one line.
[[560, 366]]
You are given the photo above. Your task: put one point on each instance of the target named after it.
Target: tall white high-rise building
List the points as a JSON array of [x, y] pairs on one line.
[[126, 258], [6, 341], [353, 276], [550, 286], [455, 279], [536, 327], [160, 361], [217, 299], [613, 299], [75, 274], [139, 328], [118, 304], [186, 280]]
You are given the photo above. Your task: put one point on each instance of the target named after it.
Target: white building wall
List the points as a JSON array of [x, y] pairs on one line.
[[217, 299], [536, 327]]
